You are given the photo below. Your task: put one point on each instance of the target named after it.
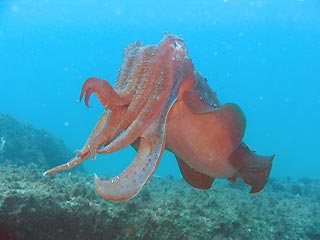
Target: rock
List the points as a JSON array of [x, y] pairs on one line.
[[23, 144]]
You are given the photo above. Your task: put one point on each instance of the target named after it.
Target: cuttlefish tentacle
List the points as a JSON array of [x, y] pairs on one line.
[[124, 80], [130, 182], [104, 131], [85, 152], [142, 76], [104, 91], [160, 101], [76, 160], [170, 79], [108, 133], [101, 134], [144, 118], [92, 144], [89, 145], [140, 65]]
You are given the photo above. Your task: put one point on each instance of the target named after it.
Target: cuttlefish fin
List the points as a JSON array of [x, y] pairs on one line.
[[131, 180], [193, 177], [108, 97], [253, 169]]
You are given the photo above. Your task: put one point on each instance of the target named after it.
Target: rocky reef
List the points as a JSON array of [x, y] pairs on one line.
[[65, 206], [22, 143]]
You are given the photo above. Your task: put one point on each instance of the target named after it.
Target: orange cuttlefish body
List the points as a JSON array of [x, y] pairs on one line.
[[161, 102]]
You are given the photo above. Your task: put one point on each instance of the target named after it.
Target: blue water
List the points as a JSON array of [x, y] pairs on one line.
[[263, 55]]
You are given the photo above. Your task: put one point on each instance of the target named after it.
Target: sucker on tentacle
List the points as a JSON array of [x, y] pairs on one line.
[[131, 180]]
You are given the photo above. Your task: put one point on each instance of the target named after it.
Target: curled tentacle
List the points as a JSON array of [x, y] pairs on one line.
[[108, 97], [131, 181]]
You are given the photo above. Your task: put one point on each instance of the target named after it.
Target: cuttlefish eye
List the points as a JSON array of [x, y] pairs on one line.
[[178, 44]]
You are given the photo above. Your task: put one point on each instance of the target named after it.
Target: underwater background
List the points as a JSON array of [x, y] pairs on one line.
[[262, 55]]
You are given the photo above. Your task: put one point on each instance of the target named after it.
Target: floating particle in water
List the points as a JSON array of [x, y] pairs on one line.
[[2, 144]]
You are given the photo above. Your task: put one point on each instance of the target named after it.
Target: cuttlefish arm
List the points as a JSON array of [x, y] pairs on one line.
[[76, 160], [130, 182], [104, 132], [109, 98], [152, 141]]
